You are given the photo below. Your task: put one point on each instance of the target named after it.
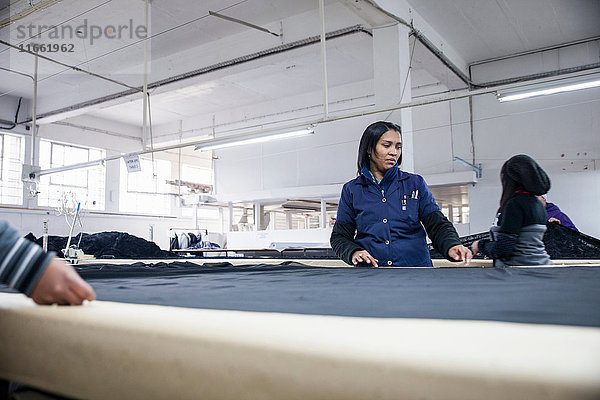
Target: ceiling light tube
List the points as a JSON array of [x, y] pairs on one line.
[[543, 92], [257, 138]]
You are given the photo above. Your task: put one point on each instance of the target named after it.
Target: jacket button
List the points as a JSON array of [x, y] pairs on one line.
[[385, 220], [387, 242], [389, 263], [384, 200]]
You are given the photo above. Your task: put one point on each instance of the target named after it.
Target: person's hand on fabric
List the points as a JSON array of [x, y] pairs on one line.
[[60, 284], [363, 256], [460, 253], [552, 219], [475, 248]]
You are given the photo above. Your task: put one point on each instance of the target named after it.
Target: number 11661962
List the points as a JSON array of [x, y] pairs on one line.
[[48, 47]]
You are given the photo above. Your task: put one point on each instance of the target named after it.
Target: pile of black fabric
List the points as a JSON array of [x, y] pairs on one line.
[[108, 245], [564, 243], [561, 244]]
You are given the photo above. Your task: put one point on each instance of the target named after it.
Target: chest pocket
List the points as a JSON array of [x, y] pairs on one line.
[[408, 209]]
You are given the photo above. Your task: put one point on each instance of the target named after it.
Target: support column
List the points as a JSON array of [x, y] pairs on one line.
[[391, 52], [230, 208], [221, 220], [257, 216], [323, 214], [112, 183]]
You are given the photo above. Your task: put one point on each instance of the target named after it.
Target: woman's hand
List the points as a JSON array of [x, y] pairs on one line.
[[460, 253], [363, 256], [475, 247], [60, 284]]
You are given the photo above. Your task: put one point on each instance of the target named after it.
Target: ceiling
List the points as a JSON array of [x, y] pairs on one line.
[[185, 38], [483, 29]]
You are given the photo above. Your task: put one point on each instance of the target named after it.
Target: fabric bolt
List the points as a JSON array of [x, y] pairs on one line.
[[173, 242], [184, 240], [387, 223], [543, 295], [22, 262]]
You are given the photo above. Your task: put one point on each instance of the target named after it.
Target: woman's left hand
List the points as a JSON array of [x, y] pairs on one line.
[[460, 253]]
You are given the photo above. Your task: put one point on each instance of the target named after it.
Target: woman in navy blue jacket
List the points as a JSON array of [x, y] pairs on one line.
[[382, 212]]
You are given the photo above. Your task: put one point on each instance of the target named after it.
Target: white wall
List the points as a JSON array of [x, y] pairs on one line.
[[327, 157], [578, 196], [265, 239]]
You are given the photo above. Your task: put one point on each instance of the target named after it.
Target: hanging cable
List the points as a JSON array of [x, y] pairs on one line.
[[14, 124], [412, 52], [151, 139]]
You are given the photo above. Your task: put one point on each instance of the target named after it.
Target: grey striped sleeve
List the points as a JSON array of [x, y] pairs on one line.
[[22, 262]]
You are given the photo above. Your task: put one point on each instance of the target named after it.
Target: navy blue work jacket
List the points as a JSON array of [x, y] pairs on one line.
[[388, 223]]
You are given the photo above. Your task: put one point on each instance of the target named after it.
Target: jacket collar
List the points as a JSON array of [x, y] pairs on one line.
[[365, 180]]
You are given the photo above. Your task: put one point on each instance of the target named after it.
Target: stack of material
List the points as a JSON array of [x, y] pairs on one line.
[[108, 245]]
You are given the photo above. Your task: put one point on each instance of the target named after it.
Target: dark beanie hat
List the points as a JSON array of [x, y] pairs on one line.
[[527, 173]]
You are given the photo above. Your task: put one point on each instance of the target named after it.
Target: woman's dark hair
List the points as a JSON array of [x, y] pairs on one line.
[[369, 140], [521, 172]]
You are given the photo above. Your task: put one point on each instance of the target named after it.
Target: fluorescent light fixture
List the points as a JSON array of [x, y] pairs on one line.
[[256, 138], [543, 92]]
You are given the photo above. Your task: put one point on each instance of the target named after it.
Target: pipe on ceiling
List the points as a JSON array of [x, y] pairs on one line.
[[211, 68]]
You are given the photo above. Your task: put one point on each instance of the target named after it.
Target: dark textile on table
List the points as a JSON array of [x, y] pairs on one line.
[[568, 244], [108, 245], [557, 295]]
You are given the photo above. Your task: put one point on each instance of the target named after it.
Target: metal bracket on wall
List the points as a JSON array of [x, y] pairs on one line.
[[476, 168]]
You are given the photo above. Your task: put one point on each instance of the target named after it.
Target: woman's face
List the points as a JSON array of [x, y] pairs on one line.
[[387, 152]]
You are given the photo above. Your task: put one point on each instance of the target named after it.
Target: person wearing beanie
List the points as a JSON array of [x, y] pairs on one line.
[[384, 214], [518, 237], [556, 215]]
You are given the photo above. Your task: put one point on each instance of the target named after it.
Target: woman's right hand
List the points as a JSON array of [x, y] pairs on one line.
[[360, 256]]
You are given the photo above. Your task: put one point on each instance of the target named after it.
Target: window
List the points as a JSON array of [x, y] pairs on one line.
[[455, 215], [194, 174], [12, 155], [85, 184], [146, 191], [465, 214]]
